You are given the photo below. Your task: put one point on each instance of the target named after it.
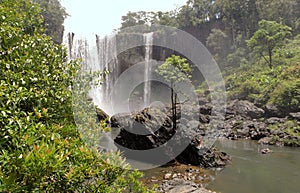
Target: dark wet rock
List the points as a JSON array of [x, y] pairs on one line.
[[143, 130], [273, 111], [101, 115], [245, 109], [246, 129], [266, 151], [153, 127], [256, 130], [145, 122], [203, 101], [203, 157], [205, 109], [235, 122]]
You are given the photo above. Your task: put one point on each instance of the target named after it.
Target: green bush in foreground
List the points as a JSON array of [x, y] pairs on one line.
[[40, 147]]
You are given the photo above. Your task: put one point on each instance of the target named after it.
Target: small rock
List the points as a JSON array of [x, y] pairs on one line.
[[274, 120], [266, 151], [265, 140], [295, 116], [200, 178], [167, 176]]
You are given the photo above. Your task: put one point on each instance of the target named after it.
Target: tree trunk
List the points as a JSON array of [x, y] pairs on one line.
[[270, 59], [175, 110], [173, 107]]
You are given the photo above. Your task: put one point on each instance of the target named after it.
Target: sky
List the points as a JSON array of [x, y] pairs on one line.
[[89, 17]]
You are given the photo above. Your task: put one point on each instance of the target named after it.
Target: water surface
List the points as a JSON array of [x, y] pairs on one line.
[[253, 172]]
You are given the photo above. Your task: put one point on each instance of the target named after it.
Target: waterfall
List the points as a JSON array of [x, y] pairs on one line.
[[100, 54], [95, 57], [106, 49], [148, 39]]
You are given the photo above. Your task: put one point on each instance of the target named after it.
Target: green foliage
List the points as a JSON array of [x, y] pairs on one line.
[[289, 133], [21, 15], [280, 11], [54, 15], [175, 69], [287, 95], [237, 58], [278, 86], [41, 148], [238, 21], [137, 18], [194, 13], [270, 36]]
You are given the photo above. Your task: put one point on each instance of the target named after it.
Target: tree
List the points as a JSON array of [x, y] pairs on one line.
[[54, 16], [175, 70], [195, 12], [270, 36], [137, 18], [218, 43], [166, 18], [285, 11], [239, 17]]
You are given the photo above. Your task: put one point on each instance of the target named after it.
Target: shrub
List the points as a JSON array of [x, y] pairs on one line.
[[41, 149], [287, 95]]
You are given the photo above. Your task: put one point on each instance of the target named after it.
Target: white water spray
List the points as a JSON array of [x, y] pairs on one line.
[[148, 39]]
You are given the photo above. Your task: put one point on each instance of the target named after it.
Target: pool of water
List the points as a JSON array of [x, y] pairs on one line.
[[254, 172]]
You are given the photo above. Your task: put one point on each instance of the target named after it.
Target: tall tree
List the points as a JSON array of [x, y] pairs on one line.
[[195, 12], [218, 44], [54, 16], [270, 36], [239, 17], [285, 11], [137, 18], [175, 70]]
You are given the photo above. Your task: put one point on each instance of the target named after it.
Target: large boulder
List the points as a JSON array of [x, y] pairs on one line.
[[198, 155], [274, 111], [101, 115], [153, 127], [245, 109]]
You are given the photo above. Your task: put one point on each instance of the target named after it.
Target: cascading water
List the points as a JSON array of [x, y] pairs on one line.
[[106, 50], [101, 55], [148, 39]]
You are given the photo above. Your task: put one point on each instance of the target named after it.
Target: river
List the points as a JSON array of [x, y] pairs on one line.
[[254, 172], [250, 170]]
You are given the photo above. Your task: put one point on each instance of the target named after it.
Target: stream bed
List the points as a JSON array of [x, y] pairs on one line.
[[250, 170]]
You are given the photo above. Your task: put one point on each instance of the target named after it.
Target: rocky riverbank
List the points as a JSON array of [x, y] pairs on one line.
[[243, 120], [268, 125], [153, 127], [176, 177]]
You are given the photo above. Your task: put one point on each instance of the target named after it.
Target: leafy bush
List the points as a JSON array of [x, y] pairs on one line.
[[41, 148], [262, 85], [287, 95]]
